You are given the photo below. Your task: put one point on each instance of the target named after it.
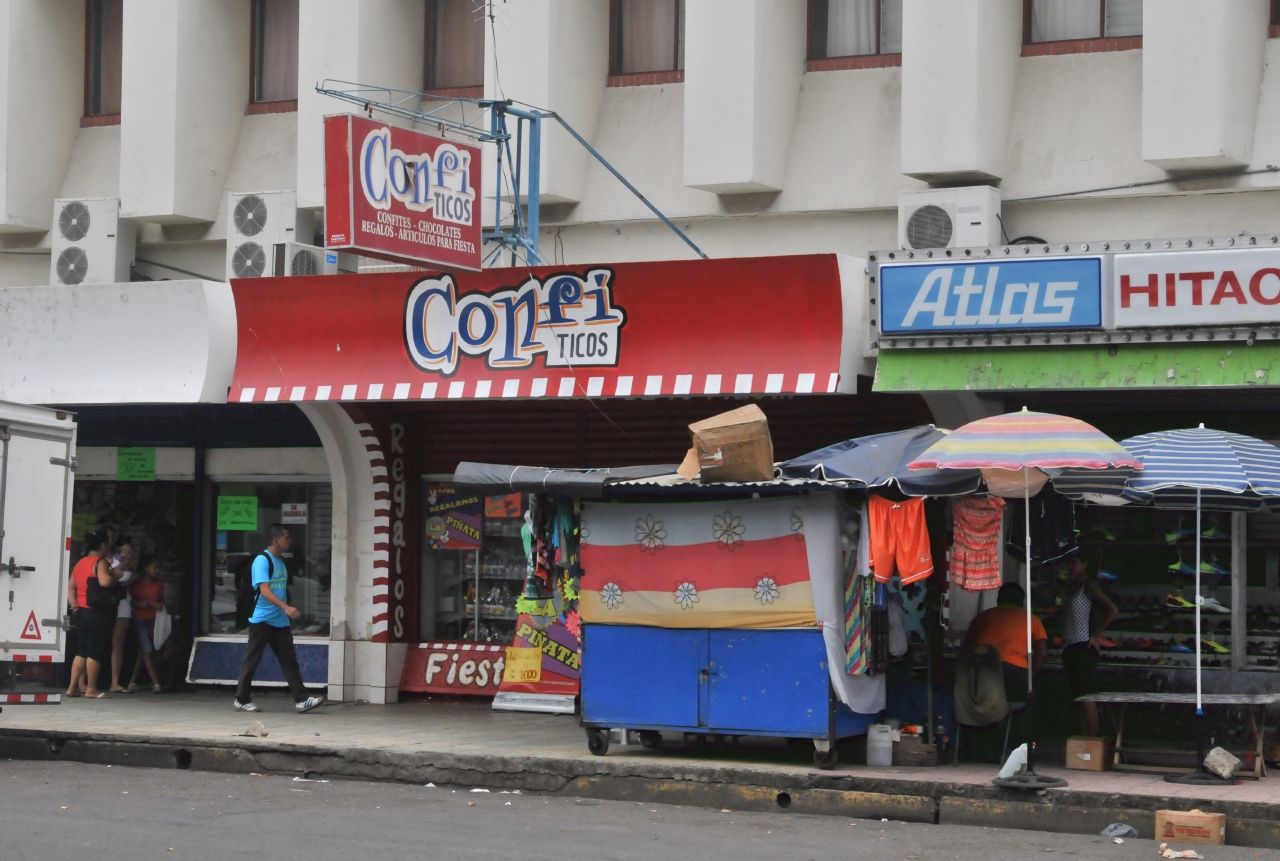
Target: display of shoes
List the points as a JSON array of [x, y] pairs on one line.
[[1181, 648], [1213, 533], [1177, 602], [1211, 566], [1180, 532], [1181, 568], [1215, 647], [1213, 605]]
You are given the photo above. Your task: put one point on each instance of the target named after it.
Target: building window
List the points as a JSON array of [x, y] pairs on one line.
[[1274, 30], [275, 51], [853, 28], [646, 40], [1071, 20], [454, 48], [104, 25], [307, 511]]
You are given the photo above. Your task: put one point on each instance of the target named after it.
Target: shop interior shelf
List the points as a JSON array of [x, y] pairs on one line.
[[1188, 544]]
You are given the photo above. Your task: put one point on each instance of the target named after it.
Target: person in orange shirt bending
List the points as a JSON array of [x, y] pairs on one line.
[[1004, 627]]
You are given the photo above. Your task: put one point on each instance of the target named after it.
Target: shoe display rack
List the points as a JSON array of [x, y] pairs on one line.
[[1146, 560]]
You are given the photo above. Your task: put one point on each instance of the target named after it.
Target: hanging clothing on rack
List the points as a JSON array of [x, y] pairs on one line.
[[899, 537], [975, 553], [1053, 529]]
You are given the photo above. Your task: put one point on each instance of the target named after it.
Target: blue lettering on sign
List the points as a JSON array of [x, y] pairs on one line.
[[1061, 293]]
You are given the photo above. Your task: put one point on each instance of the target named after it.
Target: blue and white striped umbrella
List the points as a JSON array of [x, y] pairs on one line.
[[1224, 471], [1200, 469]]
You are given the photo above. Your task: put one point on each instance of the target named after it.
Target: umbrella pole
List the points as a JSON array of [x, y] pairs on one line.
[[1026, 508], [1199, 600]]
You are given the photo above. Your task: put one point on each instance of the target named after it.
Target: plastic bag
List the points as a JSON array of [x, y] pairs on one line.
[[163, 627], [1119, 829]]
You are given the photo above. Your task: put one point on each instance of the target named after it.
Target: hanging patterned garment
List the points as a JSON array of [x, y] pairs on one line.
[[975, 554], [854, 627]]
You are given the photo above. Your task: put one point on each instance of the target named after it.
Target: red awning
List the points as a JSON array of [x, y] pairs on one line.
[[703, 327]]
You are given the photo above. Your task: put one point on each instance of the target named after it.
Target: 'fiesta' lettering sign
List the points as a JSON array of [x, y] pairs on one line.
[[1057, 293], [569, 319], [453, 667], [400, 194], [1197, 288]]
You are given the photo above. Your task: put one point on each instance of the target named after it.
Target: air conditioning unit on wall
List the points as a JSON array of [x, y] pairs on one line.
[[949, 217], [258, 222], [90, 244], [294, 258]]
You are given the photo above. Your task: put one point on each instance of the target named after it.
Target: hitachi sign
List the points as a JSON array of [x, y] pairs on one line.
[[1198, 288]]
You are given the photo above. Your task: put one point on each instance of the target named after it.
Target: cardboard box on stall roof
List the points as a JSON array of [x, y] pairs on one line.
[[1191, 826], [1090, 754], [734, 446]]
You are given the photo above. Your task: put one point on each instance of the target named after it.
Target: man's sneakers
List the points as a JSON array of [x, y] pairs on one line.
[[308, 704], [244, 707]]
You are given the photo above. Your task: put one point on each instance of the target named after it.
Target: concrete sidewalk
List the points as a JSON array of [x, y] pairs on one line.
[[466, 743]]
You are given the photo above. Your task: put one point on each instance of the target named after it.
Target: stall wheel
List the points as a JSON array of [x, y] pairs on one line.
[[598, 741], [650, 739], [826, 759]]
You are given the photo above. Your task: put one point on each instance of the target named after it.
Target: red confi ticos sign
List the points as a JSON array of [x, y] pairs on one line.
[[1198, 288], [401, 195]]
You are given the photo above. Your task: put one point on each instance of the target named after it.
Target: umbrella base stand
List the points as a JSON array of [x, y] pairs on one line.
[[1199, 777], [1025, 781]]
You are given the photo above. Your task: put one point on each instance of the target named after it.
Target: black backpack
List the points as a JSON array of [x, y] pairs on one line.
[[247, 596]]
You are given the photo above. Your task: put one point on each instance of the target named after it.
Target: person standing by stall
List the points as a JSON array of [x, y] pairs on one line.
[[122, 568], [269, 625], [93, 621], [148, 598], [1081, 641]]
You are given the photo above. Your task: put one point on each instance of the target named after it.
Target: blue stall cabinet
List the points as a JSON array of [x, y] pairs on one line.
[[758, 682]]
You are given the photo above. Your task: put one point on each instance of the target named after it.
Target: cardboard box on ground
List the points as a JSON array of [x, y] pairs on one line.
[[1191, 826], [732, 446], [1090, 754]]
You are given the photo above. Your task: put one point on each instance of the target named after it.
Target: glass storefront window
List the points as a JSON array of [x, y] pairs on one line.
[[242, 513]]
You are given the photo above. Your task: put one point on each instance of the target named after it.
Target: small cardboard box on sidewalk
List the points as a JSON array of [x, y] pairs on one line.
[[1090, 754], [913, 750], [1191, 826], [733, 446]]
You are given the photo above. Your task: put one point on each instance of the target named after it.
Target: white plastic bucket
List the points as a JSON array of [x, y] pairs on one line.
[[879, 744]]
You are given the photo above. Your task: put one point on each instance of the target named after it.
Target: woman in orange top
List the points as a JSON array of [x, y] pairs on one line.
[[93, 625], [148, 597]]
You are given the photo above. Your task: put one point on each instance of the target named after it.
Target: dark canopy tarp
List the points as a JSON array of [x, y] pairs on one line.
[[881, 460], [581, 483]]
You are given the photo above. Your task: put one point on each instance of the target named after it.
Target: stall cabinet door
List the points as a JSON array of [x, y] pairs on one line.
[[636, 677], [767, 682]]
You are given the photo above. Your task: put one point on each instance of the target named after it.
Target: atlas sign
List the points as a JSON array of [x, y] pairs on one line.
[[567, 318], [1197, 288], [401, 195], [1058, 293]]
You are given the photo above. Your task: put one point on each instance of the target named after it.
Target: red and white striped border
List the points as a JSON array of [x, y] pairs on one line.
[[18, 699], [381, 531], [557, 387], [35, 659], [462, 647]]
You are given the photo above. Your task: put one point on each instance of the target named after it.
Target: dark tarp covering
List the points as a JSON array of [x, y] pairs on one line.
[[580, 483], [880, 461]]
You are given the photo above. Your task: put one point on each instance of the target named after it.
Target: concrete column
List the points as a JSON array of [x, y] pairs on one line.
[[185, 85], [1201, 76], [373, 42], [553, 54], [959, 66], [41, 101], [744, 60], [359, 667], [1239, 589]]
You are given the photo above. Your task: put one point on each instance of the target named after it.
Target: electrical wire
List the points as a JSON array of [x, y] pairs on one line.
[[1271, 168]]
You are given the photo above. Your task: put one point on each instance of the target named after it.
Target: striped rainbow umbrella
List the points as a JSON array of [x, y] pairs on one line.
[[1021, 445]]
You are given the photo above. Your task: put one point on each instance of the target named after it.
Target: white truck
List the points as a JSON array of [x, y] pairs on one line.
[[37, 463]]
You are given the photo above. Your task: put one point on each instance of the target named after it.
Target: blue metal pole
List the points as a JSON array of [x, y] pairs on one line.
[[535, 183]]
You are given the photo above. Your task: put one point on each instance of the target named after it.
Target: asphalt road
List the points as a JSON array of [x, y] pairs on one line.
[[103, 813]]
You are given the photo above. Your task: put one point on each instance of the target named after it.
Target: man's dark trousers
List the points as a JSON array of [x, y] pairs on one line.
[[281, 641]]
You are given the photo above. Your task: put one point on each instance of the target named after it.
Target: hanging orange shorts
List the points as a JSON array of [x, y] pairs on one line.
[[899, 536]]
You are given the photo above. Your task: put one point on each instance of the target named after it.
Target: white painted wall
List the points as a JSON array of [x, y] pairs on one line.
[[374, 42], [744, 60], [185, 85], [553, 54], [959, 69], [41, 100], [1201, 74]]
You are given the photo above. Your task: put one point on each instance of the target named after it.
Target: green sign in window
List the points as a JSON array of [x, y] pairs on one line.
[[238, 513], [135, 464]]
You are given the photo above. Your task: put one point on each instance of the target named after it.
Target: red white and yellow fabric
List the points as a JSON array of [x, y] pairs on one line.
[[736, 564]]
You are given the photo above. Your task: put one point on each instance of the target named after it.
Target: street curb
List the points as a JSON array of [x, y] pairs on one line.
[[666, 781]]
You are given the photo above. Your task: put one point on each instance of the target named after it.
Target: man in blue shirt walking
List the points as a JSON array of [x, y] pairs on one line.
[[269, 624]]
